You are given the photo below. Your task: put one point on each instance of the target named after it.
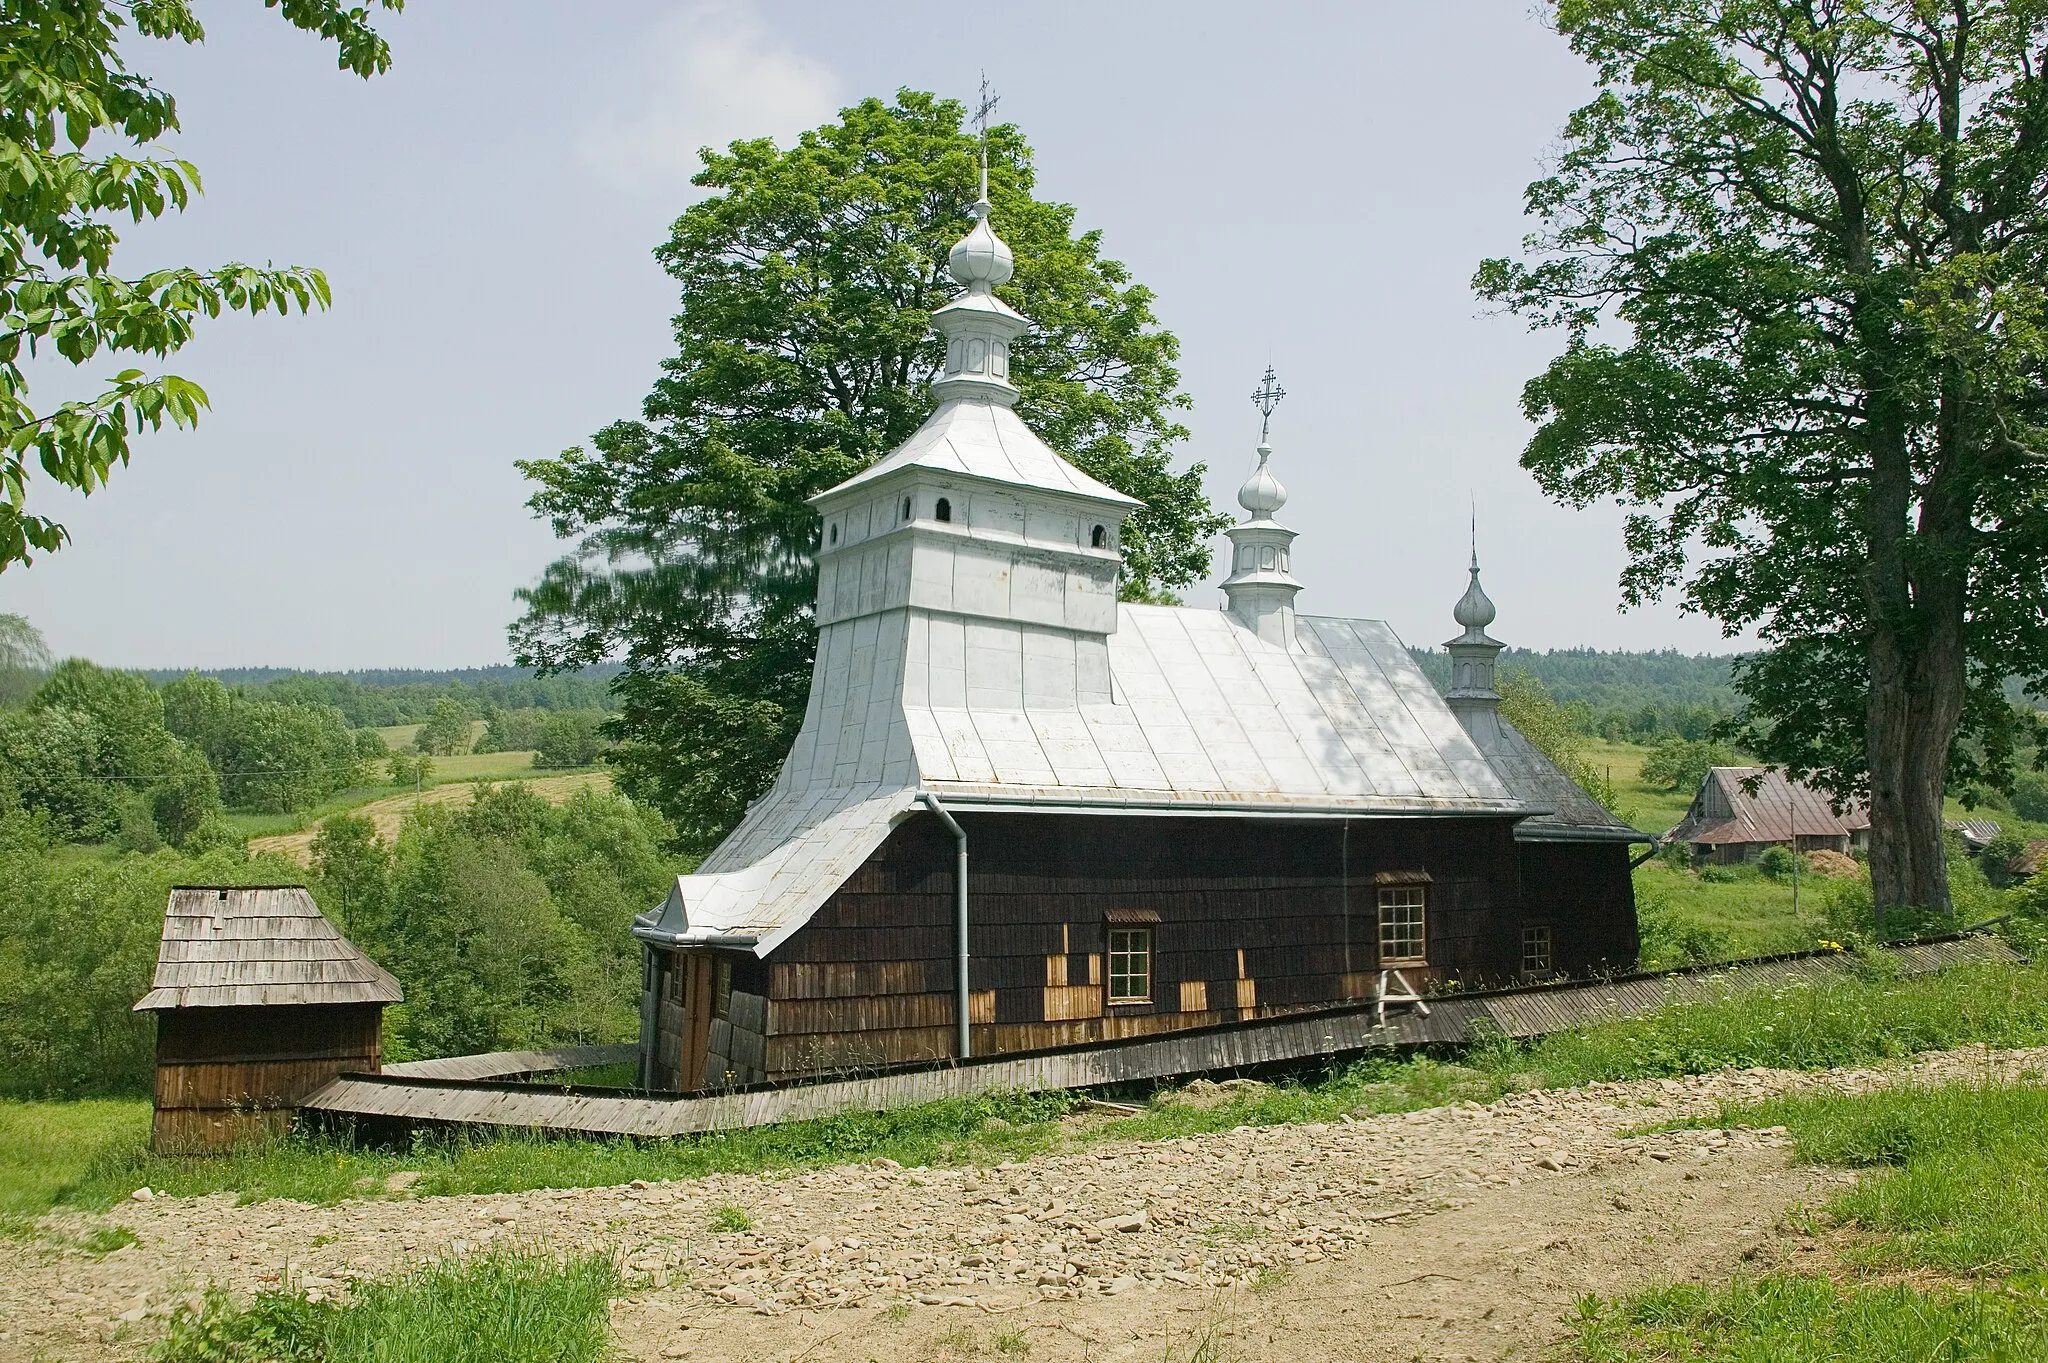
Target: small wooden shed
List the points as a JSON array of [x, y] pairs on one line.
[[259, 1002]]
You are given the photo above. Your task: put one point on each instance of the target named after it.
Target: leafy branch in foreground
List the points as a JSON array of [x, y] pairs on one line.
[[64, 81]]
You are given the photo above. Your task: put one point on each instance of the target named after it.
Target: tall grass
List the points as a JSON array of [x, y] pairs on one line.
[[1960, 1179], [1791, 1319], [504, 1306]]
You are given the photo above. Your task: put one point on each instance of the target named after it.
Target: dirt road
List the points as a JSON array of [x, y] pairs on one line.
[[1460, 1233]]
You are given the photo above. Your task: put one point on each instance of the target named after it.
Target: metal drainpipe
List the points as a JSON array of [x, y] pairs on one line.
[[961, 1001]]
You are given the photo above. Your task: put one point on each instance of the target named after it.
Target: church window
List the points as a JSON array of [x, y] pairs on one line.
[[721, 990], [1403, 935], [1130, 965], [943, 511], [1536, 950], [1098, 537], [906, 508], [833, 535]]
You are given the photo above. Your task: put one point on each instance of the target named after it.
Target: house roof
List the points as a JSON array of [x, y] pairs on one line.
[[1724, 811], [1207, 718], [243, 947]]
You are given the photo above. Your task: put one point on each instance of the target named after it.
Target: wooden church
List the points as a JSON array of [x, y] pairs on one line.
[[1021, 814]]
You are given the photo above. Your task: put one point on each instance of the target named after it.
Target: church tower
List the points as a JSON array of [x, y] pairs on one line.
[[1260, 590], [972, 568], [1472, 696]]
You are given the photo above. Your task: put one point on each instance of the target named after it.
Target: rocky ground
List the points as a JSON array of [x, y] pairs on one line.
[[1462, 1232]]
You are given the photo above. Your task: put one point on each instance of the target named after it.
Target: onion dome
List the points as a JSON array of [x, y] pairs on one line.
[[981, 259], [1262, 494], [1474, 611]]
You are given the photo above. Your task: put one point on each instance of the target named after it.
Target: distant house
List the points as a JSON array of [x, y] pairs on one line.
[[1731, 822], [1977, 834]]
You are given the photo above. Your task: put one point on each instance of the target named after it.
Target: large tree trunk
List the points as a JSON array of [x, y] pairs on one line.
[[1914, 586]]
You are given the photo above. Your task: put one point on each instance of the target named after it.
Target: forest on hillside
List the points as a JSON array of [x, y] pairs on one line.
[[1624, 696]]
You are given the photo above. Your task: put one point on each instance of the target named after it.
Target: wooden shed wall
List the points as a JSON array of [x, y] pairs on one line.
[[1256, 917], [225, 1074]]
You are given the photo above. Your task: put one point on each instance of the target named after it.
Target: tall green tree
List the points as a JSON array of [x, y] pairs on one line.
[[1796, 248], [803, 347], [66, 92]]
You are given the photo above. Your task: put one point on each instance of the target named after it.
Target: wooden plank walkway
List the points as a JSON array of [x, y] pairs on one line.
[[434, 1098], [513, 1064]]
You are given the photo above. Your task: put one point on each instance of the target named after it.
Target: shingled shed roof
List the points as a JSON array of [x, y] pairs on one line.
[[240, 948]]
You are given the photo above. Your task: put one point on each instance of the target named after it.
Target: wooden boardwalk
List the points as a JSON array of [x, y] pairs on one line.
[[515, 1064], [436, 1097]]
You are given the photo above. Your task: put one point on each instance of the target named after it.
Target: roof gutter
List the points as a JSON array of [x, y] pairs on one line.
[[1235, 809], [671, 940]]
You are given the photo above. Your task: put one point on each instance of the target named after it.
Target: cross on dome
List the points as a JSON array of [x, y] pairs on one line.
[[978, 326], [1262, 493]]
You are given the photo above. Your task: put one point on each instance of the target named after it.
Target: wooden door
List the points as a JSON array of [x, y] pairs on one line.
[[696, 977]]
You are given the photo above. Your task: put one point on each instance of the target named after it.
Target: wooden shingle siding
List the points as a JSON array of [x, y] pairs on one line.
[[1254, 917]]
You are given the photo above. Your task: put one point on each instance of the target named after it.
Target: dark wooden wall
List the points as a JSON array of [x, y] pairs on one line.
[[1584, 893], [1256, 917], [226, 1074]]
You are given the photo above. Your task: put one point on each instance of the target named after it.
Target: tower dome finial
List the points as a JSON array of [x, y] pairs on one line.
[[1474, 609], [978, 326], [1262, 494]]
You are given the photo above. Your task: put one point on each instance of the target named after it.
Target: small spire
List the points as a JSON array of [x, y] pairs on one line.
[[1474, 610], [978, 326], [1262, 493], [981, 113]]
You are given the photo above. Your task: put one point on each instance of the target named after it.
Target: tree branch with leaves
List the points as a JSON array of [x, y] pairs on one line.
[[65, 87]]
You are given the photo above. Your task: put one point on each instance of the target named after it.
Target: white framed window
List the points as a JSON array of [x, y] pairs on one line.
[[1403, 930], [1536, 955], [1130, 965]]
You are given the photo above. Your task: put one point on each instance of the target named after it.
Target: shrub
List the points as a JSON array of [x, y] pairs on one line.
[[1680, 764], [370, 744], [570, 738], [1778, 863], [446, 732], [407, 768], [513, 730]]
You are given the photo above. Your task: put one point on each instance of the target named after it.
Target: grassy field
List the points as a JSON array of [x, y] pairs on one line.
[[1653, 810], [1943, 1241], [92, 1155], [389, 811], [1685, 918]]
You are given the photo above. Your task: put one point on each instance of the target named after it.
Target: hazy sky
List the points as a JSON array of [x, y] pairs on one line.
[[1306, 184]]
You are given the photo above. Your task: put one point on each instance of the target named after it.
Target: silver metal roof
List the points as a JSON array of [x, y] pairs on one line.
[[1574, 815], [985, 440], [238, 948]]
